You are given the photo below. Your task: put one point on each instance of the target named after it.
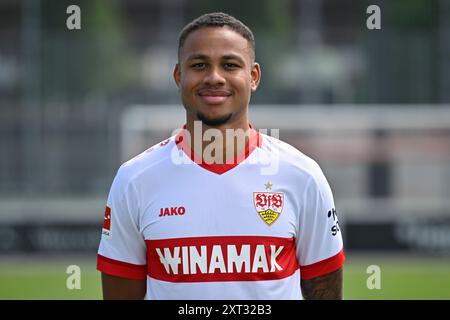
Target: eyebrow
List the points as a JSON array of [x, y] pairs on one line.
[[197, 56], [201, 56], [233, 57]]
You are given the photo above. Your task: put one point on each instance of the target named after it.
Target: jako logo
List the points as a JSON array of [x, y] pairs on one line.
[[172, 211]]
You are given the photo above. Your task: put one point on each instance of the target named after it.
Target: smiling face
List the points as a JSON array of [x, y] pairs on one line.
[[216, 74]]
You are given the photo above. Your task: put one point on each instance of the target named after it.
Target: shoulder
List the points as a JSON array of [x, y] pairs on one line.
[[291, 159], [300, 170], [150, 160]]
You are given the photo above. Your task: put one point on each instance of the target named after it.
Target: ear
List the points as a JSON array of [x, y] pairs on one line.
[[177, 75], [256, 76]]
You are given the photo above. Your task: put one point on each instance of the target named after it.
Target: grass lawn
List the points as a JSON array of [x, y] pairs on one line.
[[401, 278]]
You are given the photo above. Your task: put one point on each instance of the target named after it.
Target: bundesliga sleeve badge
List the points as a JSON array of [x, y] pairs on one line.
[[106, 230], [269, 205]]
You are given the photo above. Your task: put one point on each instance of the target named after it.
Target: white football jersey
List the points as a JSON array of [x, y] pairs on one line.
[[249, 230]]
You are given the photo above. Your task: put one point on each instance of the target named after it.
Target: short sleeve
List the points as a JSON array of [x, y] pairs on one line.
[[319, 242], [122, 249]]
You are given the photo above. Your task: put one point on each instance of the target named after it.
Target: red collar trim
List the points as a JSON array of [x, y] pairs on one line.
[[255, 140]]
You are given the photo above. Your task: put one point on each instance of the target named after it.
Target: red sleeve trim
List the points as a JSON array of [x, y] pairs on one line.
[[323, 267], [120, 268]]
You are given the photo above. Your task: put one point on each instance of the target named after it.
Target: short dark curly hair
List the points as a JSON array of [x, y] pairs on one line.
[[217, 19]]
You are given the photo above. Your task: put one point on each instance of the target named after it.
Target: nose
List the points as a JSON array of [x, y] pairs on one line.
[[213, 77]]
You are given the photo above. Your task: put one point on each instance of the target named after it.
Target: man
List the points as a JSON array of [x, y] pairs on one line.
[[195, 219]]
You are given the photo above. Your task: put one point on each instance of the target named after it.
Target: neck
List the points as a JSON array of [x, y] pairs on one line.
[[218, 144]]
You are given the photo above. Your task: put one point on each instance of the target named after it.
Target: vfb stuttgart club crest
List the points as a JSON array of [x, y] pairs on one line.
[[268, 205]]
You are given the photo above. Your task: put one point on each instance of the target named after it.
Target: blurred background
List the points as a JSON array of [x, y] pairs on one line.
[[371, 106]]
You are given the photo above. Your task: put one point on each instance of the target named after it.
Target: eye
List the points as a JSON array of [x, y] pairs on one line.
[[199, 65], [230, 65]]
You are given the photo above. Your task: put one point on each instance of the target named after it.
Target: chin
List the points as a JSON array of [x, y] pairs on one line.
[[216, 120]]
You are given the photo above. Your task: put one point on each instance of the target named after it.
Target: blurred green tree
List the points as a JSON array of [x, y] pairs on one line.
[[96, 60]]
